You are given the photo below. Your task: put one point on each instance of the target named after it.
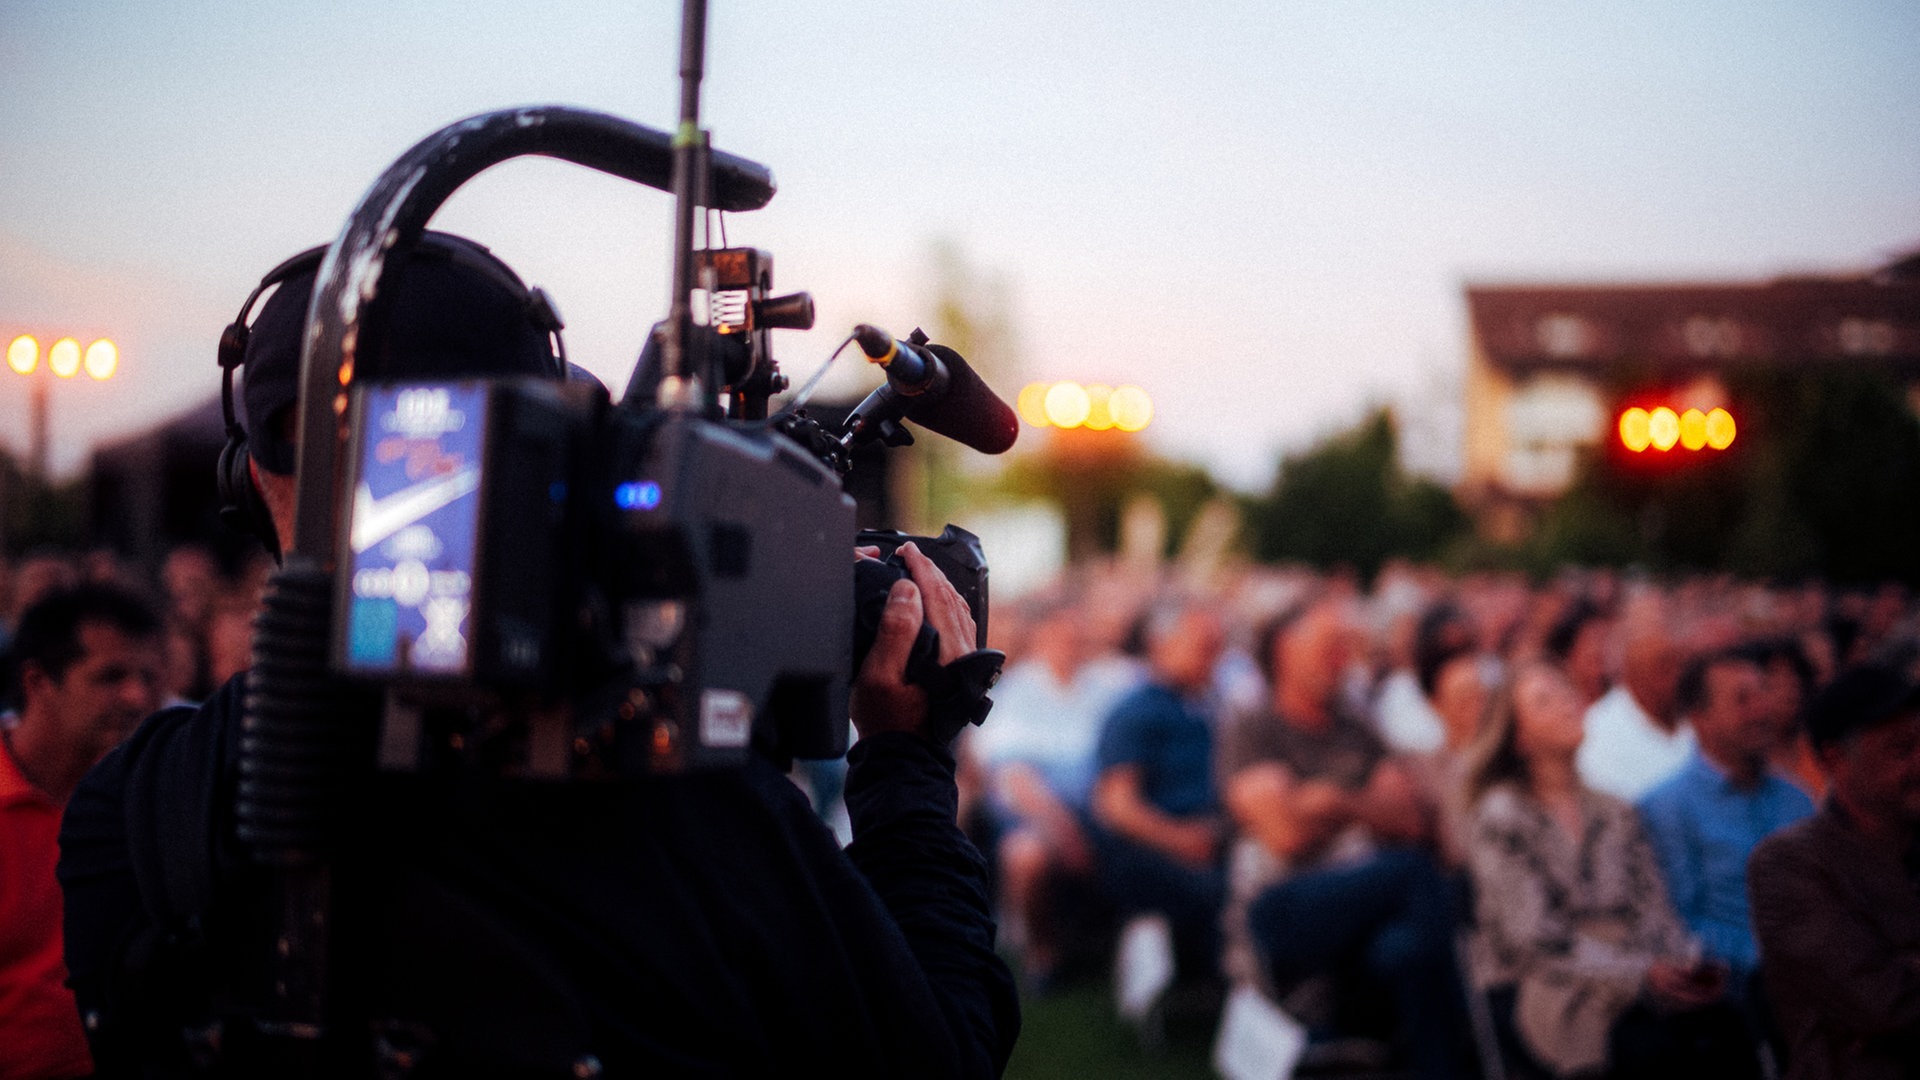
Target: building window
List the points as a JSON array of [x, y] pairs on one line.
[[1866, 337], [1563, 336], [1709, 335]]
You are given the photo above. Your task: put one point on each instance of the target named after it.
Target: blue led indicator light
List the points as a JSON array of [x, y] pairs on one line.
[[637, 495]]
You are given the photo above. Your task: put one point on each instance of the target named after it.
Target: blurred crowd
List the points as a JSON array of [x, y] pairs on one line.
[[88, 649], [206, 610], [1602, 825], [1444, 807]]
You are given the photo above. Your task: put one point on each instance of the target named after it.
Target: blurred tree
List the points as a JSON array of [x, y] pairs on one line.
[[1348, 502], [1091, 476], [34, 514], [972, 313], [1850, 456]]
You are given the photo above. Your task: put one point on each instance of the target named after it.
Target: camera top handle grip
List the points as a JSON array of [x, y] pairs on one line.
[[349, 301]]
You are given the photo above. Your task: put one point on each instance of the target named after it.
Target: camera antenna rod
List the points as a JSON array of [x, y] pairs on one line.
[[684, 389]]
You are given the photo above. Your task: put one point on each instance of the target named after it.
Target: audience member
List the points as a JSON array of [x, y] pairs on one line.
[[1586, 966], [229, 635], [1789, 681], [87, 661], [1633, 738], [1404, 711], [1836, 897], [1157, 824], [33, 577], [1457, 683], [1348, 886], [1578, 642], [1038, 755], [1706, 819], [191, 581], [183, 679]]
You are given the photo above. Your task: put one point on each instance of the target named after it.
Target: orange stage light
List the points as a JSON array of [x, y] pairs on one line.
[[1720, 429], [1068, 404], [1663, 428], [1633, 430], [1693, 429]]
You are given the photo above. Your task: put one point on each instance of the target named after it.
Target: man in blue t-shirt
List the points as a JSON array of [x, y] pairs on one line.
[[1706, 820], [1157, 828]]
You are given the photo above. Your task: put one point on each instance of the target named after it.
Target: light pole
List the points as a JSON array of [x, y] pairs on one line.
[[64, 360]]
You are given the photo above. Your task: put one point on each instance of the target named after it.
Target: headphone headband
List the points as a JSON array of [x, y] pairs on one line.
[[242, 508]]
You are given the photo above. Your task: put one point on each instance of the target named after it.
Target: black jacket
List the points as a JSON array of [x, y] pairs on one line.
[[703, 925]]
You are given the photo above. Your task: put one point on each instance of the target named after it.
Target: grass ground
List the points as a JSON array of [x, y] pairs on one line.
[[1074, 1033]]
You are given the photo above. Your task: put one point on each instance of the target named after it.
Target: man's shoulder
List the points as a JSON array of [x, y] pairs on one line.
[[1146, 702], [1787, 795], [14, 788], [1345, 744], [1611, 706], [1807, 842], [1670, 798], [212, 722]]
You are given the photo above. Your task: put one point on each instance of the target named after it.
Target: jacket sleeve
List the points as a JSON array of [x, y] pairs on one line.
[[1813, 938], [139, 859], [907, 844]]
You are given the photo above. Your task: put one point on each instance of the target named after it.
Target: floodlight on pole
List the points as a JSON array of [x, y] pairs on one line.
[[65, 359], [23, 354], [103, 359]]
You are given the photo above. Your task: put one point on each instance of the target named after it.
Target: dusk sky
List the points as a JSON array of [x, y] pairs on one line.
[[1262, 212]]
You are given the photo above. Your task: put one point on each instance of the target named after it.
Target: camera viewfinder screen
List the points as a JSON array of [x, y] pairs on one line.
[[414, 529]]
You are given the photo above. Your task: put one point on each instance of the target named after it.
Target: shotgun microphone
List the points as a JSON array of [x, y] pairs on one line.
[[939, 391]]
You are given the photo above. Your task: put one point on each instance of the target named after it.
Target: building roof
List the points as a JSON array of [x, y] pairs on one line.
[[1700, 327]]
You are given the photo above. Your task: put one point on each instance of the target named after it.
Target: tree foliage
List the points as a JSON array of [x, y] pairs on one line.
[[34, 514], [1093, 489], [1347, 502]]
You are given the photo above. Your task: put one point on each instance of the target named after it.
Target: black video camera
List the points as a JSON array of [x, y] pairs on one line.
[[540, 582]]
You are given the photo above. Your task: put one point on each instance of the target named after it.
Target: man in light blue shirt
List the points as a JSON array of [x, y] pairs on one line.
[[1707, 819]]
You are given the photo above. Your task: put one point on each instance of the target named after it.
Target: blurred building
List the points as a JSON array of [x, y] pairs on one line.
[[1551, 368]]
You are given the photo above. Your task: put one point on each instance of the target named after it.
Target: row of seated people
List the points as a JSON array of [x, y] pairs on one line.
[[1285, 840]]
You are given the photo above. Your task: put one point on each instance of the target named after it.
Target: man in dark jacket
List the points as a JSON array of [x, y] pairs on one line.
[[698, 925], [1836, 897]]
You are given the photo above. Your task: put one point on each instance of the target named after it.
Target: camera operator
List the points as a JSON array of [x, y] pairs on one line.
[[701, 924]]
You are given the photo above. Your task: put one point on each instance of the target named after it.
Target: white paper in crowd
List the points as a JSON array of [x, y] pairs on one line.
[[1257, 1039], [1145, 967]]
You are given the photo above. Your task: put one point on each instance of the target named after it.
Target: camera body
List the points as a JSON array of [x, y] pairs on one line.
[[557, 587]]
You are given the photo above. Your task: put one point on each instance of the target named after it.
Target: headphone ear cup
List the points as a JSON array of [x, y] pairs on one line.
[[233, 345], [241, 507], [232, 515]]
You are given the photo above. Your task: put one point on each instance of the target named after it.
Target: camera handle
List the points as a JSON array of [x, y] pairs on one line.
[[351, 294]]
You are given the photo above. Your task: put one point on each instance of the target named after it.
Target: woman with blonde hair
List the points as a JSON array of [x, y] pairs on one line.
[[1588, 969]]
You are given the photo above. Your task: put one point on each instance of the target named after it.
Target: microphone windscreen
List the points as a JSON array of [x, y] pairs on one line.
[[969, 412]]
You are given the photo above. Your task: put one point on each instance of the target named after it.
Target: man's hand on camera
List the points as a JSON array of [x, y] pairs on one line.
[[882, 698]]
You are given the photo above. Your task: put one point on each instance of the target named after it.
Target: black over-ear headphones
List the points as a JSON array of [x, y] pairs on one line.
[[241, 507]]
